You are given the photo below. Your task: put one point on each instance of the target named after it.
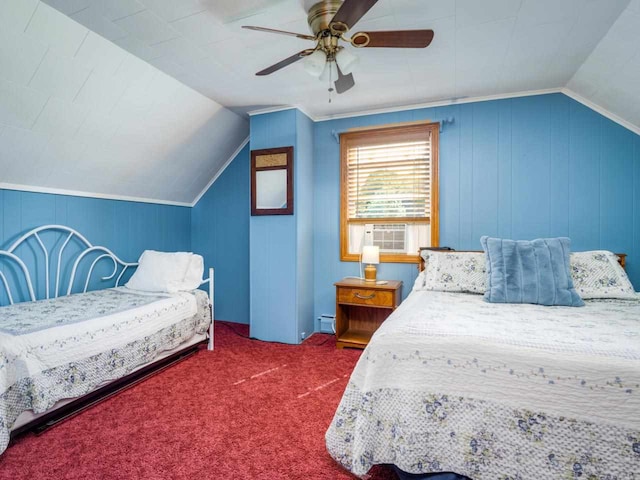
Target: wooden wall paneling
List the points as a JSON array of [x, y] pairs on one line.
[[449, 166], [559, 174], [633, 262], [505, 166], [616, 187], [220, 232], [584, 188], [530, 168], [465, 179], [126, 228], [273, 246], [485, 180]]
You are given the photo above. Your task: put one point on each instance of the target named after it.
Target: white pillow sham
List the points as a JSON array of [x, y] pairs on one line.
[[195, 271], [167, 272], [598, 274], [448, 271]]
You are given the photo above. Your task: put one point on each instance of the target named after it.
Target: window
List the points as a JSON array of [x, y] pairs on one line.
[[389, 191]]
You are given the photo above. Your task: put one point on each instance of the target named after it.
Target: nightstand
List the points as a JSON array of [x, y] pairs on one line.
[[361, 307]]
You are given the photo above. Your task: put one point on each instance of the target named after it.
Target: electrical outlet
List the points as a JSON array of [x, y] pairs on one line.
[[303, 335]]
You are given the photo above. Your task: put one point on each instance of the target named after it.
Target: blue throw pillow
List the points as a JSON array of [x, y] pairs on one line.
[[535, 271]]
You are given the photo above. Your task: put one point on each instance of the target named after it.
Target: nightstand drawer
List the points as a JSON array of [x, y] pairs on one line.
[[364, 296]]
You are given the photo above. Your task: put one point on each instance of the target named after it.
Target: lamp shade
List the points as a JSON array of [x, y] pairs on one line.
[[314, 63], [346, 61], [371, 254], [330, 72]]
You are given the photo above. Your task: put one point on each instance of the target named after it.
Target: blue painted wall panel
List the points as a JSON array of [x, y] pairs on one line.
[[559, 172], [633, 264], [484, 205], [305, 225], [127, 228], [273, 245], [584, 165], [450, 191], [530, 168], [465, 178], [519, 168], [616, 188], [504, 169], [220, 232]]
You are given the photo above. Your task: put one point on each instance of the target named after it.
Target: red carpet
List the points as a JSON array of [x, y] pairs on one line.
[[248, 410]]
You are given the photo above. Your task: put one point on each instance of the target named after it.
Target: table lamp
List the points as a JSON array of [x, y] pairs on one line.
[[370, 257]]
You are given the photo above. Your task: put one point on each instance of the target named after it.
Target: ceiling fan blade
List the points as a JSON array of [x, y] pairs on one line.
[[352, 10], [393, 39], [344, 82], [280, 32], [283, 63]]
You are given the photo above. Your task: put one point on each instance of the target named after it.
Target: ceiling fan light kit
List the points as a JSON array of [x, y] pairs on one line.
[[330, 72], [329, 21], [315, 63], [346, 61]]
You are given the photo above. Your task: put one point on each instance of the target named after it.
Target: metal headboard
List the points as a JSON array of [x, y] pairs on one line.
[[104, 253]]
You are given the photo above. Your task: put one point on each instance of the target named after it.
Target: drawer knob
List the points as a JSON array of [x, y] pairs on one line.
[[364, 297]]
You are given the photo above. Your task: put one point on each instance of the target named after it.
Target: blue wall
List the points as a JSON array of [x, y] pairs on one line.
[[521, 168], [305, 226], [220, 232], [273, 244], [281, 246], [127, 228]]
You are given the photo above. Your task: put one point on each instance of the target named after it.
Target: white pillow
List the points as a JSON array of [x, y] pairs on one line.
[[598, 274], [160, 271], [448, 271], [195, 271], [419, 283]]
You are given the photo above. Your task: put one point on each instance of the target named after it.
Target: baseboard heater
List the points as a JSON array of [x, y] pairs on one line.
[[327, 323]]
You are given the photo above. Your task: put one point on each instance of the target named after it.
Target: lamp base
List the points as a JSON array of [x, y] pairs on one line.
[[370, 273]]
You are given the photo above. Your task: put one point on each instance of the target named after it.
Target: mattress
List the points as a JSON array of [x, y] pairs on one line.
[[450, 383], [66, 347]]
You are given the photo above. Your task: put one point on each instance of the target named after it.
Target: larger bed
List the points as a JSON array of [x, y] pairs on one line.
[[57, 350], [451, 383]]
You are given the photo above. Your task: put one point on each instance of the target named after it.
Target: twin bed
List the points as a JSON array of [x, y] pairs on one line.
[[451, 383], [66, 349]]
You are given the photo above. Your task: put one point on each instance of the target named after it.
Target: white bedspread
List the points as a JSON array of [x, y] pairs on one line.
[[75, 353], [494, 391]]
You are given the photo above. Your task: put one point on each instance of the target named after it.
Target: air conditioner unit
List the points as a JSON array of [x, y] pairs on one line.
[[390, 237]]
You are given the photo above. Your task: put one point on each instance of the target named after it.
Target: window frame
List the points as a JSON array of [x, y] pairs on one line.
[[346, 139]]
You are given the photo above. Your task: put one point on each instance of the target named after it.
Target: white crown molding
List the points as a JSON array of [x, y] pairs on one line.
[[442, 103], [281, 108], [262, 111], [219, 172], [602, 111], [401, 108], [76, 193], [439, 103]]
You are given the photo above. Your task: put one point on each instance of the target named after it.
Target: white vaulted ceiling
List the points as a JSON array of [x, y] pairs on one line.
[[481, 47], [610, 77], [135, 97], [80, 114]]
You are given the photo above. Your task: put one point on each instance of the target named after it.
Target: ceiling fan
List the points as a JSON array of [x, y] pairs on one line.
[[329, 21]]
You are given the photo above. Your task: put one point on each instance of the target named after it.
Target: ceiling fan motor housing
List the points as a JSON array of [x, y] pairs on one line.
[[321, 14]]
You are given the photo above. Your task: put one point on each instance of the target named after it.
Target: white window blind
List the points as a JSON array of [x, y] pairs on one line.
[[390, 178]]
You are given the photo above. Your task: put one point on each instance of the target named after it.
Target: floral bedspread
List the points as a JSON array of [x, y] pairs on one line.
[[28, 317], [40, 367], [450, 383]]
